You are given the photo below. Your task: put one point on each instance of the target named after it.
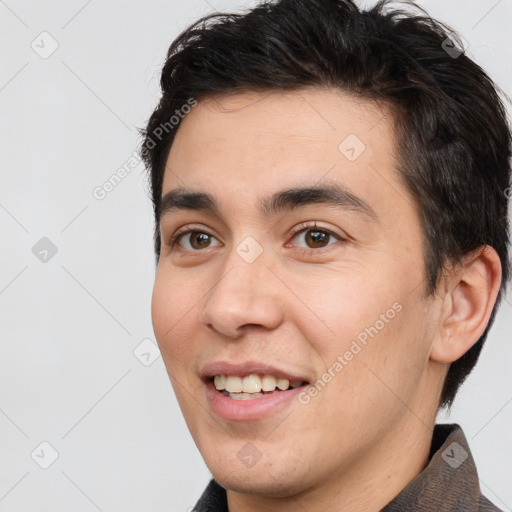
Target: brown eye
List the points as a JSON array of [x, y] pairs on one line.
[[315, 238], [196, 240]]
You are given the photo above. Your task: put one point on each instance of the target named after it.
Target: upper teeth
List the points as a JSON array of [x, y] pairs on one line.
[[252, 383]]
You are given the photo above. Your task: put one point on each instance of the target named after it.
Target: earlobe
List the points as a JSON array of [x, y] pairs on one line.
[[472, 289]]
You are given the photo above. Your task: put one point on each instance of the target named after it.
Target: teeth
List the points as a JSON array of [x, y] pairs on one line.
[[283, 384], [268, 383], [220, 382], [252, 385], [233, 384], [244, 396]]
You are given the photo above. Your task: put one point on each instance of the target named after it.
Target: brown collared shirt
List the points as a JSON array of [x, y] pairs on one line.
[[449, 483]]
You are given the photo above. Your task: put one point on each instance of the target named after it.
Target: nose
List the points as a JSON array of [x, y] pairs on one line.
[[245, 296]]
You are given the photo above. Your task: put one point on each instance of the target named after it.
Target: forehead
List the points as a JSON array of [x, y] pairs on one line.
[[248, 145]]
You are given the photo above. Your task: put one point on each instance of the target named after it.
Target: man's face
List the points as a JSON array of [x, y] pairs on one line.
[[262, 291]]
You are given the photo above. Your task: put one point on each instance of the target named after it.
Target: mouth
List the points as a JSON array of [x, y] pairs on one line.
[[250, 391], [253, 386]]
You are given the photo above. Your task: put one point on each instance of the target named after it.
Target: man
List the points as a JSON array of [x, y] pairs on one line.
[[330, 196]]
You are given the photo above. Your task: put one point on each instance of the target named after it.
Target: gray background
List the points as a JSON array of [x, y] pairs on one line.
[[72, 323]]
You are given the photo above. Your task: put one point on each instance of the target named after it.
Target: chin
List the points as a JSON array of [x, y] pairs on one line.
[[260, 483], [278, 477]]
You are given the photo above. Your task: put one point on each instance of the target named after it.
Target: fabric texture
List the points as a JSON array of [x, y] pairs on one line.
[[449, 483]]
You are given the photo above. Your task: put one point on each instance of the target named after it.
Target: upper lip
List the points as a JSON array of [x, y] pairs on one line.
[[249, 368]]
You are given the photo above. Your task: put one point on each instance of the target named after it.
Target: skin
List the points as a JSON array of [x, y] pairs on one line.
[[357, 443]]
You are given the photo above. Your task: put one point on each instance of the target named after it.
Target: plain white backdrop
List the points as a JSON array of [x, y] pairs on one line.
[[79, 370]]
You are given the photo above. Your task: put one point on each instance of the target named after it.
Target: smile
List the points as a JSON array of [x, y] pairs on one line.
[[252, 386], [250, 390]]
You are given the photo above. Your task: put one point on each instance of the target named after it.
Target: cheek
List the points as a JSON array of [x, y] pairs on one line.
[[343, 306], [173, 313], [391, 365], [370, 321], [172, 310]]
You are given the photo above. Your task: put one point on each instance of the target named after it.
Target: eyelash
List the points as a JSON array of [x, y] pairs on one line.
[[299, 229]]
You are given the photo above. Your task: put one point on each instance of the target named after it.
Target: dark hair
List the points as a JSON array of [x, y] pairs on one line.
[[452, 133]]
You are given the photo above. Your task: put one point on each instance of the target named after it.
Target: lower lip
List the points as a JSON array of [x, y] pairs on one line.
[[247, 410]]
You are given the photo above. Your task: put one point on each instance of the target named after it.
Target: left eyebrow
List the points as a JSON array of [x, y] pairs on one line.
[[332, 194]]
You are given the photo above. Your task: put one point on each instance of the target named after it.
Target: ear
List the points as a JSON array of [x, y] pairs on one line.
[[471, 291]]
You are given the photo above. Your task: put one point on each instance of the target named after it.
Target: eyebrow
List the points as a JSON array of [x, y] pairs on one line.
[[332, 194]]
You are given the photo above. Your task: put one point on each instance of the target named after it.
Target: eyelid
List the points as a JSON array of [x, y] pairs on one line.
[[312, 225]]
